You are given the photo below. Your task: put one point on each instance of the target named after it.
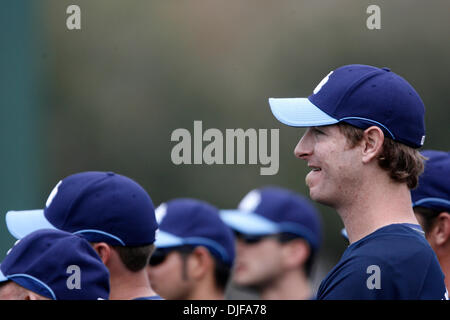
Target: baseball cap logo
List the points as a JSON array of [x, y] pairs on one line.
[[15, 244], [52, 195], [160, 212], [250, 201], [74, 280], [322, 83]]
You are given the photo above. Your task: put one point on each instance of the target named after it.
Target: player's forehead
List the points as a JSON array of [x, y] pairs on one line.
[[331, 131], [329, 127], [9, 290]]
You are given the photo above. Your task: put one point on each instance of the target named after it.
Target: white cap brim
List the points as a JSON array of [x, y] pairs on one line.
[[3, 278], [248, 222], [167, 240], [299, 112], [22, 223], [344, 233]]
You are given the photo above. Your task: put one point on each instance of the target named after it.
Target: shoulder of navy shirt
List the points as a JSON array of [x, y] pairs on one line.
[[409, 269]]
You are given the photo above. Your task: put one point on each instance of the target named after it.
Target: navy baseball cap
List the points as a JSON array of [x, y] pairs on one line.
[[433, 191], [361, 96], [274, 210], [193, 222], [46, 260], [100, 206]]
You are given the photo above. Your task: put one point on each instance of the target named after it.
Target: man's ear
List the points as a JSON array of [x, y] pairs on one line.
[[199, 262], [441, 230], [372, 143], [295, 253], [103, 250]]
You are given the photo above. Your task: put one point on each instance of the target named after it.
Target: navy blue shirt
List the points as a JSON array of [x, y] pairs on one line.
[[394, 262]]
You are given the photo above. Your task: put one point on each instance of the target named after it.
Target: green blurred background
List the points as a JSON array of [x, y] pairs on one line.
[[108, 96]]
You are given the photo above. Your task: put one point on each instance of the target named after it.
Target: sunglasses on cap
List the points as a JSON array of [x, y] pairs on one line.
[[160, 254]]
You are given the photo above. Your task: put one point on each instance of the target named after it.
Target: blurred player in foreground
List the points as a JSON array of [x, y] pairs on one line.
[[112, 212], [53, 265], [278, 236], [194, 252], [431, 202]]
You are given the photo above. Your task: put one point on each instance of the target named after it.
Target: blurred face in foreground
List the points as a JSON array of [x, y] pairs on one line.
[[258, 261], [12, 291], [168, 274]]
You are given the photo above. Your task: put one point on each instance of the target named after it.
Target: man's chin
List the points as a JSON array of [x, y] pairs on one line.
[[246, 281], [314, 194], [248, 285], [317, 196]]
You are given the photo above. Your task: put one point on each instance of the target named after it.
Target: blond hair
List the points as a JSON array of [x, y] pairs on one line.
[[404, 164]]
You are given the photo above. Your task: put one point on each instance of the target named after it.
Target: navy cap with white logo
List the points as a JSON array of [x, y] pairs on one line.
[[274, 210], [433, 191], [193, 222], [100, 206], [362, 96], [57, 265]]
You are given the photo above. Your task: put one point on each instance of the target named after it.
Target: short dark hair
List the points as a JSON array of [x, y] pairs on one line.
[[135, 258], [403, 163], [429, 217], [222, 271], [286, 237]]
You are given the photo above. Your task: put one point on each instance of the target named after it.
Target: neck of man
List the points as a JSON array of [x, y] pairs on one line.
[[207, 295], [206, 289], [292, 285], [127, 285], [376, 202]]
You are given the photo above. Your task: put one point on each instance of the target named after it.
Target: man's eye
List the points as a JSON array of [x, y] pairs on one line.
[[317, 131]]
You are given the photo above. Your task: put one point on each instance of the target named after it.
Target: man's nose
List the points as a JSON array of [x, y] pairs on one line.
[[303, 148], [240, 245]]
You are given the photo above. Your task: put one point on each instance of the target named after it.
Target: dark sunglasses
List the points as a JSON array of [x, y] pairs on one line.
[[254, 239], [160, 255], [251, 239]]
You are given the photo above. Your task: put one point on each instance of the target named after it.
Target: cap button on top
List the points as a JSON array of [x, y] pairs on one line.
[[386, 69], [110, 173]]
